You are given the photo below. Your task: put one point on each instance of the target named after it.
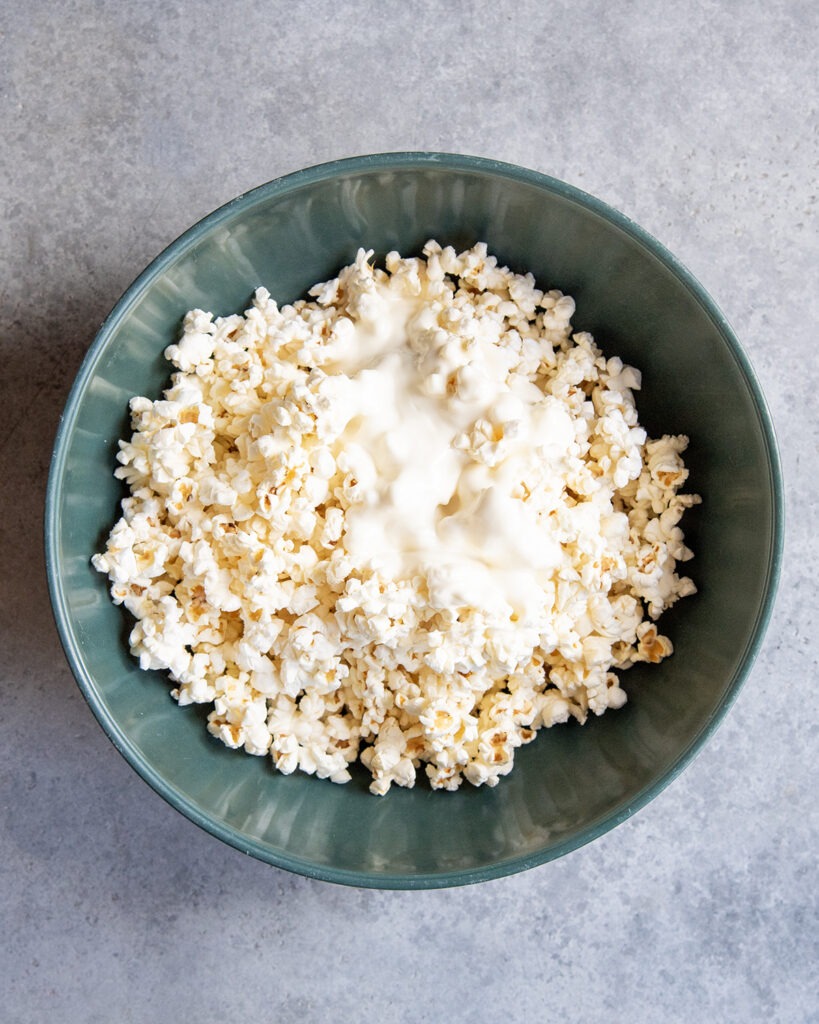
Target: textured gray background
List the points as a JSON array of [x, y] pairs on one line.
[[124, 123]]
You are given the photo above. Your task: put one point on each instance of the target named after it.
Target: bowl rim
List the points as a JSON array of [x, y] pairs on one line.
[[405, 160]]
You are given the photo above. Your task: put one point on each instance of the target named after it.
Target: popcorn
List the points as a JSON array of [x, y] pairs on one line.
[[410, 522]]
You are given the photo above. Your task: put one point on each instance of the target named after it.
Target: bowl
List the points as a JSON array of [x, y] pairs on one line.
[[573, 783]]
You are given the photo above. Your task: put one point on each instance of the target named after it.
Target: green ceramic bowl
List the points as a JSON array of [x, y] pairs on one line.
[[572, 783]]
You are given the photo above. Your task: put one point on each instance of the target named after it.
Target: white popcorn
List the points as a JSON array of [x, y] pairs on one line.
[[411, 522]]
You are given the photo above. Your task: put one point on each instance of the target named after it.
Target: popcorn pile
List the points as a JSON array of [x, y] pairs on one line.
[[412, 521]]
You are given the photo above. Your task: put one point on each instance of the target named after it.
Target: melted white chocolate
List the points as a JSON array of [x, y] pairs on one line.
[[427, 505]]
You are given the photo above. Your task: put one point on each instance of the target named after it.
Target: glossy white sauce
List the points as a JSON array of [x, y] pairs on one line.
[[429, 507]]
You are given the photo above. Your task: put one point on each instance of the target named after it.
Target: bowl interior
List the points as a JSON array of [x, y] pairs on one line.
[[572, 783]]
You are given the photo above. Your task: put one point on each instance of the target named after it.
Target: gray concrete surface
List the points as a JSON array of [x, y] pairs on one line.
[[122, 124]]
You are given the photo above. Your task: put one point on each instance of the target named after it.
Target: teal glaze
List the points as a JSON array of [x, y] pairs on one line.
[[572, 784]]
